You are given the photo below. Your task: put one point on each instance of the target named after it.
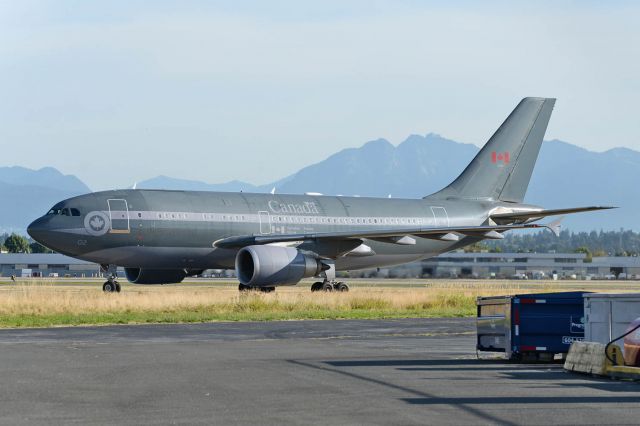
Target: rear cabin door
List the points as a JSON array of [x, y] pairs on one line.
[[440, 216], [119, 216]]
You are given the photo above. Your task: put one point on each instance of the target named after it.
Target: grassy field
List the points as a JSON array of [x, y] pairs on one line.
[[44, 303]]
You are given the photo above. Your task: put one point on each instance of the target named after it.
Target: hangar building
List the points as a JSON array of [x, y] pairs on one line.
[[454, 264], [45, 265]]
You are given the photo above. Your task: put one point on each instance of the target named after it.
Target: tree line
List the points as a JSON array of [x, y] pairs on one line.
[[594, 243]]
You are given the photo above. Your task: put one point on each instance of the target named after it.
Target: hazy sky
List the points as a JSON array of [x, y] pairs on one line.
[[120, 91]]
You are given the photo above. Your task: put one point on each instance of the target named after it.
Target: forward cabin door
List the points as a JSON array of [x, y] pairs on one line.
[[119, 216]]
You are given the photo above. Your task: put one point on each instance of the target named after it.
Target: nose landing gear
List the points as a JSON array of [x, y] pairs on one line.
[[111, 285]]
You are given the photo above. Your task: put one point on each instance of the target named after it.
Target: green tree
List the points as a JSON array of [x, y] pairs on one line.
[[36, 247], [586, 251], [17, 244]]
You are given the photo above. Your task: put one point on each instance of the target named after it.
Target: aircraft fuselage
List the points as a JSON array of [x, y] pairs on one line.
[[178, 229]]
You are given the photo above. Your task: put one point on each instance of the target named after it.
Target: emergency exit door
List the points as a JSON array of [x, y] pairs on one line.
[[265, 222]]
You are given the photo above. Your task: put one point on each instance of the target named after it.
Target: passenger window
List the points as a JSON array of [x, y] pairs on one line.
[[75, 212]]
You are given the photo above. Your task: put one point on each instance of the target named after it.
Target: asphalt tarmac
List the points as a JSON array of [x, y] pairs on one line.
[[414, 371]]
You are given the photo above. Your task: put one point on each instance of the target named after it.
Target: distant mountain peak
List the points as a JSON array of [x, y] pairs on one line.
[[47, 177], [376, 144]]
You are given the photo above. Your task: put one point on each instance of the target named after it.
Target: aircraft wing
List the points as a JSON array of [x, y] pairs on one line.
[[522, 216], [398, 236]]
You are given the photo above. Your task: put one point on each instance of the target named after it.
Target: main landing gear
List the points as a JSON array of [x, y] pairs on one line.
[[329, 283], [329, 286], [112, 285]]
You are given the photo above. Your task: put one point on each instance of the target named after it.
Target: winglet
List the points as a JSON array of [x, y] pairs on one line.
[[555, 226]]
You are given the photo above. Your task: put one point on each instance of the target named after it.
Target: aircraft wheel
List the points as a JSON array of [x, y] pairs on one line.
[[317, 286], [327, 286], [267, 289], [108, 287], [342, 286], [118, 287], [242, 287]]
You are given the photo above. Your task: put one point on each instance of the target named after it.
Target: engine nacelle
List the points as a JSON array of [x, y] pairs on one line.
[[154, 276], [265, 266]]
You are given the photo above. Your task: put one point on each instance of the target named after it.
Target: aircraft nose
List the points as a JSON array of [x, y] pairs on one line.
[[38, 230]]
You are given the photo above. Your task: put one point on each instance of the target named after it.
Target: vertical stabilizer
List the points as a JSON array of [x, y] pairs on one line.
[[503, 167]]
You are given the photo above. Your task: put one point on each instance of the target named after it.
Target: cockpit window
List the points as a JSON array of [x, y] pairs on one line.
[[64, 211]]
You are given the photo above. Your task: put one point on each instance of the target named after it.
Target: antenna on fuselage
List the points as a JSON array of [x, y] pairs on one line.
[[273, 190]]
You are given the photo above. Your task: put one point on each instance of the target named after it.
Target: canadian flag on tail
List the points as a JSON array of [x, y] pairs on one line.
[[500, 157]]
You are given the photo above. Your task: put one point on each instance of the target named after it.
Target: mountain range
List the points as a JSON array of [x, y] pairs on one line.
[[565, 175], [26, 194]]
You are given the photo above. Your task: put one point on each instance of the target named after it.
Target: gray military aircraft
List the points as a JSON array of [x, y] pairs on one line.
[[271, 240]]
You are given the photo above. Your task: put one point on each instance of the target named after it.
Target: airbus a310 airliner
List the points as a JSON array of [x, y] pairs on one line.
[[161, 237]]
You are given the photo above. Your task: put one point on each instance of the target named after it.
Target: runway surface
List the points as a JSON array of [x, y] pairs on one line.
[[414, 371]]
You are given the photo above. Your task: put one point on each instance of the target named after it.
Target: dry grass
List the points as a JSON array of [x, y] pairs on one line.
[[43, 303]]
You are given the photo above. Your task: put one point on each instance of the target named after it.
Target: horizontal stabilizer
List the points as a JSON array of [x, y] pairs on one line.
[[539, 214]]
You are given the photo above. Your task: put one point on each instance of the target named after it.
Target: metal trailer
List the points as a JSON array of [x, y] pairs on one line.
[[530, 325], [607, 315]]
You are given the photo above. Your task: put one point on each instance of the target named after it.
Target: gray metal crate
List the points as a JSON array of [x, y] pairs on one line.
[[607, 315]]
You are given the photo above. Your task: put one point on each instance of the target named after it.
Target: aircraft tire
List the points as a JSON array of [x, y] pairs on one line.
[[108, 287], [118, 287], [267, 289], [317, 286], [242, 287], [327, 286], [342, 287]]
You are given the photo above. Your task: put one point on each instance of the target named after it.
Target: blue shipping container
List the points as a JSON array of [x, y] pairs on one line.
[[539, 323]]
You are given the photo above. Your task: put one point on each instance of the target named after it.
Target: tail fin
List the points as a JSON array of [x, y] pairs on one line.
[[502, 169]]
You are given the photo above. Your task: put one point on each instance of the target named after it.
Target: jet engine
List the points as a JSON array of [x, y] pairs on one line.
[[264, 266], [154, 276]]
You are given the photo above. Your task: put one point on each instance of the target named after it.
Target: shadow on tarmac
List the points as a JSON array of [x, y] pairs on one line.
[[473, 405]]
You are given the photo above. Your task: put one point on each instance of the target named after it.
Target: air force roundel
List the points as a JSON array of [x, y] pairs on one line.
[[96, 223]]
